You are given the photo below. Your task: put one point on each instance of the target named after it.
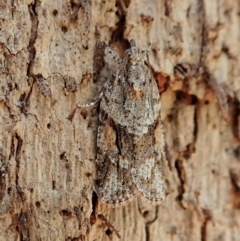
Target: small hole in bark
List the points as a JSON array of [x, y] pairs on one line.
[[170, 117], [48, 125], [108, 232], [180, 95], [89, 124], [9, 190], [84, 114], [237, 152], [189, 150], [55, 12], [194, 100], [88, 174], [38, 204], [63, 156], [186, 98], [64, 29], [67, 165], [53, 185], [65, 212], [145, 214], [206, 102]]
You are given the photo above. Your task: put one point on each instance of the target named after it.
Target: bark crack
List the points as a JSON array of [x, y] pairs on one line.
[[18, 156], [23, 226], [207, 217], [118, 34], [3, 172], [148, 224], [24, 98], [182, 177], [33, 36], [205, 72]]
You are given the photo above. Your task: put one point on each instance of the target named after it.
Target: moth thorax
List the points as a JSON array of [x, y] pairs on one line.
[[137, 94]]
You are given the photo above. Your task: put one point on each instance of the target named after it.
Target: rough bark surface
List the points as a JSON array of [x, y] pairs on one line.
[[48, 148]]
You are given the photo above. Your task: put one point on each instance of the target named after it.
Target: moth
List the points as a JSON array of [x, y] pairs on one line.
[[130, 144]]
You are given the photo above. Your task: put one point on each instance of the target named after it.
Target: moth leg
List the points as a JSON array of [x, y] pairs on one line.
[[94, 102], [108, 223]]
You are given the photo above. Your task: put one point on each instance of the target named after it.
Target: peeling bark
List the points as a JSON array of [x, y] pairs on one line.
[[48, 146]]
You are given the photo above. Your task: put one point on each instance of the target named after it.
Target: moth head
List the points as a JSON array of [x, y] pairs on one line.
[[135, 55], [135, 60]]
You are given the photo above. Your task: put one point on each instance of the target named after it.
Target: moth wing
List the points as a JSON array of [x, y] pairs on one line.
[[113, 184], [148, 171]]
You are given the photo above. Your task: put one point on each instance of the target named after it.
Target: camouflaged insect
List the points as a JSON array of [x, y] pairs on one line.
[[130, 146]]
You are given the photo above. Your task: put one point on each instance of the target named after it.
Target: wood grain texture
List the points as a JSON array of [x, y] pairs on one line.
[[47, 163]]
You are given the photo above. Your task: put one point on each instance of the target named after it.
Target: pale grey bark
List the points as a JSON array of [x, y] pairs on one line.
[[48, 162]]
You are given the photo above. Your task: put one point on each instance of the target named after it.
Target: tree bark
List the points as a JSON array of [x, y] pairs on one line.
[[48, 147]]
